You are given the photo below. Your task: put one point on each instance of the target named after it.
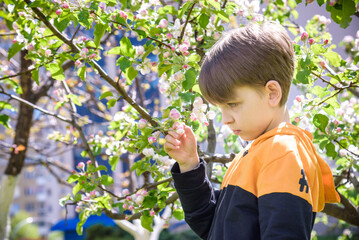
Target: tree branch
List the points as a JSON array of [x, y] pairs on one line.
[[185, 24]]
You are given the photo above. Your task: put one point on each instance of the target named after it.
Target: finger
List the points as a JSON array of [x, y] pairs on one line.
[[174, 134], [172, 140], [170, 146]]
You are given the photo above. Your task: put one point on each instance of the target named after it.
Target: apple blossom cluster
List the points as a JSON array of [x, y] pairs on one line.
[[247, 8], [163, 163], [301, 116], [198, 112], [112, 146], [134, 201]]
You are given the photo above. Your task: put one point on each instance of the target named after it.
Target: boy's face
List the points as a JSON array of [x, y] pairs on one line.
[[249, 114]]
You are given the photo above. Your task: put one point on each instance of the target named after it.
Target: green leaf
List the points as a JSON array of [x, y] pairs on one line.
[[115, 50], [101, 168], [81, 72], [126, 48], [222, 15], [111, 103], [106, 180], [333, 58], [62, 25], [72, 178], [77, 188], [56, 71], [167, 9], [190, 77], [302, 76], [35, 75], [84, 153], [113, 160], [75, 99], [317, 49], [124, 63], [320, 121], [329, 109], [194, 58], [187, 96], [146, 222], [5, 120], [149, 202], [215, 4], [203, 20], [84, 18], [15, 48], [99, 32], [106, 94], [330, 148], [178, 213], [131, 73], [6, 105]]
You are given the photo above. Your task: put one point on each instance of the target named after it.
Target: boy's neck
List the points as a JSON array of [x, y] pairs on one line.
[[280, 115]]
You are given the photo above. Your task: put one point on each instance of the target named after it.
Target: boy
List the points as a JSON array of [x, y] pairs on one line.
[[275, 186]]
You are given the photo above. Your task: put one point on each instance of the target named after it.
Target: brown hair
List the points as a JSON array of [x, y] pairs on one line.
[[248, 56]]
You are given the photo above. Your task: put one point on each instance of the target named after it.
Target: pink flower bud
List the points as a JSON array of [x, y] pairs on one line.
[[73, 171], [93, 193], [152, 213], [144, 193], [124, 206], [175, 114], [93, 55], [299, 99], [206, 123], [193, 117], [102, 5], [21, 14], [326, 41], [338, 129], [126, 218], [30, 47], [199, 38], [151, 139], [80, 165], [47, 52], [58, 12], [297, 119], [65, 5], [89, 162], [125, 192], [163, 23], [78, 209], [311, 41], [131, 207], [129, 198], [123, 14], [166, 54], [304, 36], [77, 63], [178, 76], [336, 122], [332, 2], [185, 66], [322, 64], [169, 36], [183, 48], [142, 123], [139, 199]]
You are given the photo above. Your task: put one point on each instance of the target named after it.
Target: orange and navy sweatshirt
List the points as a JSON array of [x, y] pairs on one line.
[[272, 190]]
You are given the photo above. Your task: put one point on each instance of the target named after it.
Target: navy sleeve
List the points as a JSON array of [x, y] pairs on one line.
[[197, 197], [285, 216]]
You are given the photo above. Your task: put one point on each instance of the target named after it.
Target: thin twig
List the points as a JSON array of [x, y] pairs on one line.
[[17, 74], [185, 24]]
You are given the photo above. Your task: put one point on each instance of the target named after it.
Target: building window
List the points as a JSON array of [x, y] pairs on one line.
[[30, 207], [29, 191]]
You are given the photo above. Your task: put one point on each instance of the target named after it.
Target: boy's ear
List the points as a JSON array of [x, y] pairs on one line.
[[274, 92]]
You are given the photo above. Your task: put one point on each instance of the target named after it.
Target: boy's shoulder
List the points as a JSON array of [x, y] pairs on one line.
[[286, 139]]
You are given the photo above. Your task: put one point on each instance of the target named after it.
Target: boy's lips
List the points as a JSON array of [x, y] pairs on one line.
[[236, 132]]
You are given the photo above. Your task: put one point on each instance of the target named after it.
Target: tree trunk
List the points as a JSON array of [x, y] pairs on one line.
[[16, 161]]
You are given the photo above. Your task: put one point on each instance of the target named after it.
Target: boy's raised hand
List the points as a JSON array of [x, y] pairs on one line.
[[182, 147]]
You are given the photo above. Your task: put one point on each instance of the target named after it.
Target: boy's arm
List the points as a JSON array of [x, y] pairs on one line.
[[284, 199], [189, 174], [197, 197]]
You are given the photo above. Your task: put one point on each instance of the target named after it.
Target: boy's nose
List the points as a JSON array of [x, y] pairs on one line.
[[226, 119]]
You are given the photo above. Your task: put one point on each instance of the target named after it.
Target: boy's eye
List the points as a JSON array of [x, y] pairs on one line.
[[232, 104]]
